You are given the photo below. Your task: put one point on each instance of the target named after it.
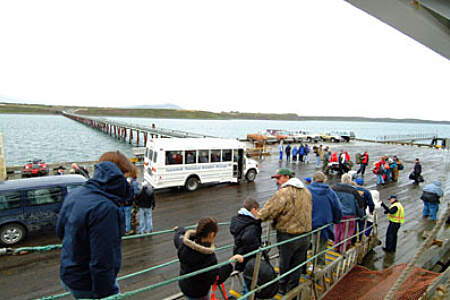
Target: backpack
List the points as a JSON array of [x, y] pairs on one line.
[[146, 198], [266, 274], [400, 166]]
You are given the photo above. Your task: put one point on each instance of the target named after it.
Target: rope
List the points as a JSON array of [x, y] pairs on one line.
[[10, 251]]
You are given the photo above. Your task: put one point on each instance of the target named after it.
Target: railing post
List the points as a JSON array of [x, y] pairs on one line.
[[357, 231], [255, 274], [365, 228], [316, 247]]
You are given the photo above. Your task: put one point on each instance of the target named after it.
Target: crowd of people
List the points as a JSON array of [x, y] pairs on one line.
[[94, 217]]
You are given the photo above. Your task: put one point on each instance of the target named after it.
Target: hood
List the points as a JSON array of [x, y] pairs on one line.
[[434, 187], [108, 180], [295, 182], [187, 240], [245, 212], [240, 221], [319, 188]]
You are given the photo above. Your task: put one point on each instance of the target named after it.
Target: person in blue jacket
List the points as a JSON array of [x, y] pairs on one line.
[[91, 226], [326, 209]]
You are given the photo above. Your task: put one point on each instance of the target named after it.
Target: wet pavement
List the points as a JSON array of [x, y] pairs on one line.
[[37, 274]]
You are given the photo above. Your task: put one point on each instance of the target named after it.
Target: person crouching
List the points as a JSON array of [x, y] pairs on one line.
[[196, 252]]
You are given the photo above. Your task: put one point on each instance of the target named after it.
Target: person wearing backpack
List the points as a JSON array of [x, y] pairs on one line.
[[400, 167], [246, 231], [363, 163], [146, 203], [195, 250]]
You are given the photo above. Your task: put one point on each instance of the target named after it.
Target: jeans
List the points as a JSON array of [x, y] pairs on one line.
[[145, 220], [362, 169], [317, 161], [391, 236], [291, 255], [430, 209], [288, 156], [281, 155], [78, 294], [380, 179], [127, 212]]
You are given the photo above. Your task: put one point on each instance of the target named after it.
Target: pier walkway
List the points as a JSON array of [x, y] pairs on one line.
[[128, 131], [40, 271]]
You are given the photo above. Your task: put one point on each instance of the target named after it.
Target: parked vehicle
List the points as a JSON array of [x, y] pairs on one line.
[[331, 137], [190, 162], [32, 204], [35, 167], [262, 136]]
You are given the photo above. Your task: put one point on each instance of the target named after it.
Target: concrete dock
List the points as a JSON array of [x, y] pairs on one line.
[[36, 275]]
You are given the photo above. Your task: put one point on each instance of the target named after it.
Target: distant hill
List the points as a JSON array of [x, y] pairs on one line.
[[177, 113], [156, 106]]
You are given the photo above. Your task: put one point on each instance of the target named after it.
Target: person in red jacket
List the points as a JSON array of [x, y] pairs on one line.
[[364, 162]]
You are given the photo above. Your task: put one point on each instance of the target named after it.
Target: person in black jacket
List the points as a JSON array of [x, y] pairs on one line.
[[196, 252], [145, 200], [417, 172], [91, 225], [246, 231]]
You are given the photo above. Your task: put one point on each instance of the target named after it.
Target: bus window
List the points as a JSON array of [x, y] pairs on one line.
[[10, 200], [226, 155], [203, 156], [43, 196], [146, 152], [174, 157], [215, 156], [155, 156], [191, 157]]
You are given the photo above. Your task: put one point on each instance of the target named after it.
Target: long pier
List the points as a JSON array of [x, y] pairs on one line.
[[129, 132]]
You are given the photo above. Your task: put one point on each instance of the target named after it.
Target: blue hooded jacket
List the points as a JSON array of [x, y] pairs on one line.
[[349, 198], [326, 208], [91, 226], [435, 188]]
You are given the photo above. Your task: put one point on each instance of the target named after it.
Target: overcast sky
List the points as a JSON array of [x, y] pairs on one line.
[[307, 57]]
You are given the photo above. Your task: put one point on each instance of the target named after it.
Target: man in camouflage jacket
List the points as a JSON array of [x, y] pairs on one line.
[[290, 210]]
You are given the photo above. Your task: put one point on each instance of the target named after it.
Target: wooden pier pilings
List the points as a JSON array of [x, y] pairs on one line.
[[128, 132]]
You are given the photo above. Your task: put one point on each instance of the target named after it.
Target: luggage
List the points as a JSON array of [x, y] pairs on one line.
[[266, 274]]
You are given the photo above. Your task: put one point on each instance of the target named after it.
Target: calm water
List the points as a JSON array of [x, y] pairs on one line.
[[57, 139]]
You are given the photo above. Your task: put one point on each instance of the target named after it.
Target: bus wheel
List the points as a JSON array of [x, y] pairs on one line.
[[11, 234], [251, 175], [191, 184]]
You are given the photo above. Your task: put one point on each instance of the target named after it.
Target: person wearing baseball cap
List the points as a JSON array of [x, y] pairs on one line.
[[396, 217], [369, 205], [307, 180], [290, 210]]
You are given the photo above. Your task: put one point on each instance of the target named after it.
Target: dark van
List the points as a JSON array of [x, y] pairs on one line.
[[32, 204]]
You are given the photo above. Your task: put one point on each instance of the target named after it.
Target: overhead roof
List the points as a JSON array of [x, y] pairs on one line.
[[441, 7]]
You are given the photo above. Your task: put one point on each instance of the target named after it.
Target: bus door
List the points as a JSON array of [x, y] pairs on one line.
[[241, 163]]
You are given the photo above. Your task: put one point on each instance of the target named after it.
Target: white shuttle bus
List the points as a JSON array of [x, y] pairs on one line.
[[189, 162]]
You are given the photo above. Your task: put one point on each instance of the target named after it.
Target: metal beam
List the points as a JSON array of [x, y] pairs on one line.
[[423, 25]]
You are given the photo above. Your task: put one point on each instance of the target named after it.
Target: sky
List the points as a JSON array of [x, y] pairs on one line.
[[321, 58]]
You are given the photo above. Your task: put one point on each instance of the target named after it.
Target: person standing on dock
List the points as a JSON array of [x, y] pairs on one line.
[[91, 226], [396, 217], [363, 164], [294, 154], [430, 197], [281, 150], [290, 209], [146, 203], [288, 152]]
